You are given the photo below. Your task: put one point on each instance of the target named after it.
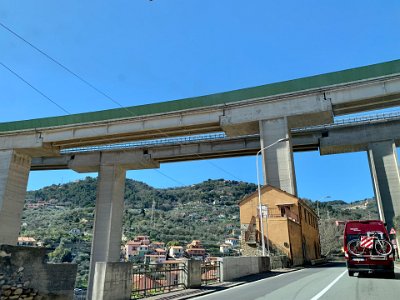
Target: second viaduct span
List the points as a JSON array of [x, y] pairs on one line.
[[269, 111], [378, 136]]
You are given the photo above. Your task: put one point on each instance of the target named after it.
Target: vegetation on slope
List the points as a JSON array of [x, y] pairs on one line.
[[205, 211]]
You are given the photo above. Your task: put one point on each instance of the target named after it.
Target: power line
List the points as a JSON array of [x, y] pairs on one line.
[[88, 84], [223, 170], [37, 90], [169, 177], [63, 109], [61, 65]]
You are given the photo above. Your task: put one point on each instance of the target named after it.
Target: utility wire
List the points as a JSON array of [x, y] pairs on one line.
[[223, 170], [88, 84], [169, 177], [37, 90], [66, 111], [62, 65]]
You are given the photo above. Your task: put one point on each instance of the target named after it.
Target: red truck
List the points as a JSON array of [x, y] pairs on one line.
[[367, 248]]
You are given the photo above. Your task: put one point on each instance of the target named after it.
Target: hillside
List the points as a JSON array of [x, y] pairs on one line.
[[61, 216]]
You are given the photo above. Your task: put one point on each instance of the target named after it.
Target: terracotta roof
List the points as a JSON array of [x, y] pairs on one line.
[[26, 239], [173, 262], [142, 282], [133, 243], [154, 255], [265, 187]]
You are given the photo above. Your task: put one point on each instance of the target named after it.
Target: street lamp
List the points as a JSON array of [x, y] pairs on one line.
[[259, 196]]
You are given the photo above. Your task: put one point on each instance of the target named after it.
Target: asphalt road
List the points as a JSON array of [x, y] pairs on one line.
[[328, 282]]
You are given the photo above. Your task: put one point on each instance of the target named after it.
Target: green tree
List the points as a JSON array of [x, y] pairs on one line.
[[173, 243]]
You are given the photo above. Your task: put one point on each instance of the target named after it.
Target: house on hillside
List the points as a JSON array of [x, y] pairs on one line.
[[143, 239], [224, 248], [196, 253], [139, 247], [26, 241], [194, 244], [290, 225], [175, 251], [157, 245], [131, 249], [195, 250], [154, 259], [234, 242]]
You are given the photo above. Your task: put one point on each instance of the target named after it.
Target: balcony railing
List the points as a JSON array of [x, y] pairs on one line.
[[275, 212], [153, 279], [210, 272]]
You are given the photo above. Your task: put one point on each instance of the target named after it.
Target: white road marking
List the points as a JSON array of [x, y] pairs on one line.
[[397, 267], [321, 293], [246, 285]]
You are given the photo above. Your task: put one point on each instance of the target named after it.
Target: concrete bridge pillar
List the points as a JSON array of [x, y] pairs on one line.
[[384, 168], [278, 164], [14, 173], [107, 231]]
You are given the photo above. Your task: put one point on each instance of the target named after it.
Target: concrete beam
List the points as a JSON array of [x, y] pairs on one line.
[[14, 173], [27, 143], [129, 160], [135, 128], [365, 95], [107, 231], [301, 109], [353, 138], [309, 107], [383, 161], [230, 147]]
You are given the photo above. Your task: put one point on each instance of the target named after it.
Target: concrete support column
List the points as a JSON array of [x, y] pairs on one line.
[[278, 164], [112, 281], [191, 278], [383, 161], [14, 173], [107, 232]]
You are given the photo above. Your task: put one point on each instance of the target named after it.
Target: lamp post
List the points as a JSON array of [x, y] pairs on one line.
[[259, 196]]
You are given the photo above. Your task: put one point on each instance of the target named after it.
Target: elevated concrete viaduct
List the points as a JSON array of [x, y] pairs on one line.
[[378, 138], [270, 111]]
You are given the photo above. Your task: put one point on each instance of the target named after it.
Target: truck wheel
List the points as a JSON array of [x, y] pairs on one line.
[[391, 274], [351, 273]]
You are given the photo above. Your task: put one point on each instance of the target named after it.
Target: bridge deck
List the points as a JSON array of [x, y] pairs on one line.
[[296, 85]]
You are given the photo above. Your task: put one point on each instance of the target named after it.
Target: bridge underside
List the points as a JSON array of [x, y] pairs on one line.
[[269, 113]]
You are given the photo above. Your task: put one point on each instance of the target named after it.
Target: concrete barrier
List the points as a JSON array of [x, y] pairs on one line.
[[112, 281], [236, 267], [191, 277], [279, 262], [318, 261]]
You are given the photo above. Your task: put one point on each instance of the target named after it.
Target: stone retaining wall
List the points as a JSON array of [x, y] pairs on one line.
[[24, 274]]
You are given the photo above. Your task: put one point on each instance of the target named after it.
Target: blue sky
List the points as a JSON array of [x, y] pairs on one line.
[[141, 51]]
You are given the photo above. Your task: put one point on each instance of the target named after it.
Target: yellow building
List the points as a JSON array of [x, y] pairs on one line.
[[290, 224]]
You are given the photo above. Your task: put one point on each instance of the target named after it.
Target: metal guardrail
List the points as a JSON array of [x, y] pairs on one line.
[[153, 279], [352, 121], [222, 136], [148, 143], [210, 272]]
